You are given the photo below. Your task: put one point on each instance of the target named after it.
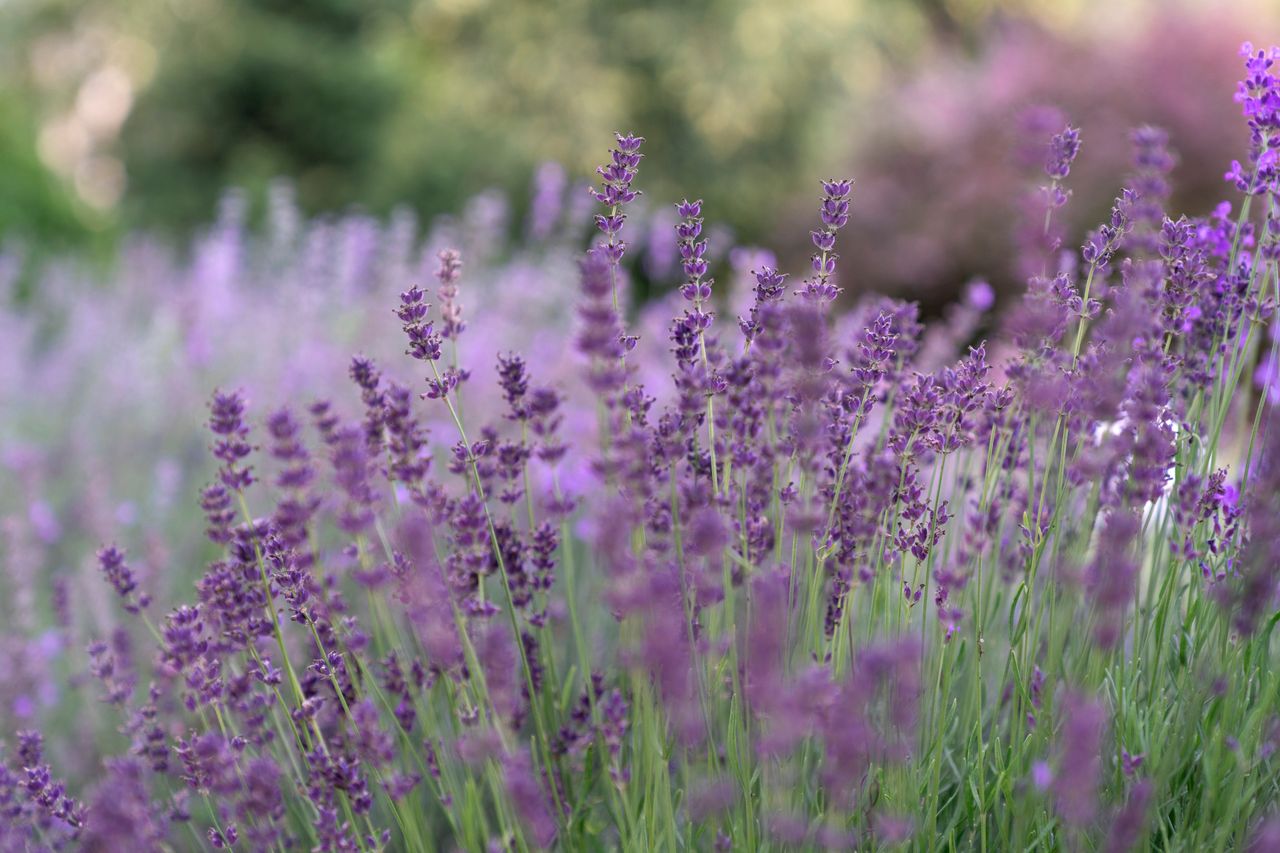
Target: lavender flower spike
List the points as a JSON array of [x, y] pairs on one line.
[[450, 310], [834, 213], [120, 576], [1063, 148], [615, 193]]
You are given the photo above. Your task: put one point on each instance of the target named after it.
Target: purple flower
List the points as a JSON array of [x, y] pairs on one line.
[[30, 748], [231, 445], [615, 192], [547, 204], [617, 175], [370, 740], [1128, 826], [739, 536], [1256, 576], [120, 576], [1113, 575], [351, 466], [514, 380], [979, 295], [424, 341], [600, 328], [769, 289], [1079, 759], [528, 798], [1041, 775], [49, 796], [1266, 837], [1259, 97], [692, 251], [834, 213], [1152, 162], [451, 324], [1063, 148], [288, 449], [184, 637], [121, 814]]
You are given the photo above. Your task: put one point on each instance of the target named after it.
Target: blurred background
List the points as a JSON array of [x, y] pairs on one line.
[[197, 193], [117, 115]]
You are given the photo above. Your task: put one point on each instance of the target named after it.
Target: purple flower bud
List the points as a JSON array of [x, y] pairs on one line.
[[825, 241], [628, 143], [1063, 148], [120, 576], [824, 265], [835, 213], [695, 268], [837, 188], [1080, 759], [689, 209], [231, 445]]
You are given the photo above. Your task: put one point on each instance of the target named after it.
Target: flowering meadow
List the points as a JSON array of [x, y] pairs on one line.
[[492, 556]]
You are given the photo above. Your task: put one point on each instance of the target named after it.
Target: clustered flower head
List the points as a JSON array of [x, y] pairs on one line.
[[1152, 163], [1259, 97], [450, 310], [834, 213], [424, 342], [850, 581], [120, 577], [615, 193], [231, 446], [1063, 149]]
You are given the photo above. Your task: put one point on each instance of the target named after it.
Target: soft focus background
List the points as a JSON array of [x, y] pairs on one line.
[[120, 115], [231, 192]]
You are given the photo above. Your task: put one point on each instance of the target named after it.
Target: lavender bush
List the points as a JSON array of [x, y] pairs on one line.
[[941, 166], [845, 582], [105, 374]]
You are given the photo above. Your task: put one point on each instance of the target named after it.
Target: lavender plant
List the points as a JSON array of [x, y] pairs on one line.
[[953, 141], [848, 582]]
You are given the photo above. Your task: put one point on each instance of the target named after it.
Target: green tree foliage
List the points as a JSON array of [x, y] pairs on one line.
[[753, 88], [32, 201], [427, 102], [254, 89]]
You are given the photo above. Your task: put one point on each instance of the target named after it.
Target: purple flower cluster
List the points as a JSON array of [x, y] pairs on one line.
[[834, 213], [1259, 96], [121, 579]]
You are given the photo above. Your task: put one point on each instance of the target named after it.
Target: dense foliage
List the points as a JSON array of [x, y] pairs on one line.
[[421, 102], [941, 166], [844, 581]]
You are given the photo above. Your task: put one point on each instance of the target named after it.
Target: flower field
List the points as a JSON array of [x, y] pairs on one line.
[[346, 534]]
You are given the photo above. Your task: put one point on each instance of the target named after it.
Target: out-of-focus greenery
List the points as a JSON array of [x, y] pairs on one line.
[[253, 89], [33, 203], [755, 89], [379, 102], [126, 113], [38, 207]]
